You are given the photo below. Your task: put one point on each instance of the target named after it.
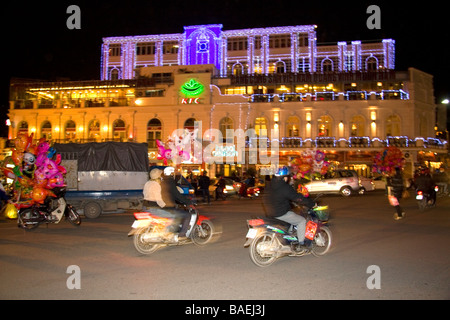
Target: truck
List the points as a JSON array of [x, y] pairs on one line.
[[104, 176]]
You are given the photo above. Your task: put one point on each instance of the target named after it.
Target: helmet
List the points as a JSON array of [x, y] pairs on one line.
[[155, 174], [168, 171], [282, 172]]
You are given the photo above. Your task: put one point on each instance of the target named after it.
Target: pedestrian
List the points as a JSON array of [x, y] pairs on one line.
[[395, 193], [220, 188], [203, 183]]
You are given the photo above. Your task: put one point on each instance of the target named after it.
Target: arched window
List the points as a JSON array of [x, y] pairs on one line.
[[357, 126], [238, 69], [22, 127], [324, 126], [70, 131], [154, 129], [261, 127], [371, 64], [114, 74], [119, 130], [292, 126], [327, 65], [189, 124], [280, 67], [224, 124], [46, 130], [393, 126], [94, 130]]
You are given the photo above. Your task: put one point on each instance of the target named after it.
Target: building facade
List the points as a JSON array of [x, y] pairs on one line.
[[292, 49], [346, 99]]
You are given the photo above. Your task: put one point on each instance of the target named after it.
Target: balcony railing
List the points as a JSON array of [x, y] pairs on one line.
[[331, 96], [352, 142]]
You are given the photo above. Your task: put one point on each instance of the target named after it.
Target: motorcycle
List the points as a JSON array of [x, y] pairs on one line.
[[270, 239], [248, 192], [424, 199], [151, 232], [51, 211]]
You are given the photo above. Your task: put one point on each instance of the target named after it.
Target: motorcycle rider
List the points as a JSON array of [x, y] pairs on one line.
[[162, 192], [425, 182], [279, 195], [171, 195], [152, 195]]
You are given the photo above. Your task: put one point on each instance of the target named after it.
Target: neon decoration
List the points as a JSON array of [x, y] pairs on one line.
[[192, 88]]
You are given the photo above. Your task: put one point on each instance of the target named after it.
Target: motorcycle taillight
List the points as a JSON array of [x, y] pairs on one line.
[[436, 188], [255, 222], [142, 215], [419, 192]]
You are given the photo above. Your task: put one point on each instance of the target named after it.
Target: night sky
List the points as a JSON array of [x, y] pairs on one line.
[[38, 45]]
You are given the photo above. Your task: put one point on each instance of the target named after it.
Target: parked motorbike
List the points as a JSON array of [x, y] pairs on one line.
[[424, 199], [151, 232], [270, 239], [248, 192], [51, 211]]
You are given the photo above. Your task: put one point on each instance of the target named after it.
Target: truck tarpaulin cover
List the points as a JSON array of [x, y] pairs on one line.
[[107, 156]]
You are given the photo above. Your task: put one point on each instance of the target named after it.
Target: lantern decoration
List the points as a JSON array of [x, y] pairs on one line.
[[385, 162], [36, 171]]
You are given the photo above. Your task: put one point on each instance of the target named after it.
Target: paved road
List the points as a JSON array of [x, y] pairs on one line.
[[411, 256]]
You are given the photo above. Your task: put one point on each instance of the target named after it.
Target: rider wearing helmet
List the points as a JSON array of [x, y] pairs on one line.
[[425, 182], [171, 195], [279, 199], [152, 189]]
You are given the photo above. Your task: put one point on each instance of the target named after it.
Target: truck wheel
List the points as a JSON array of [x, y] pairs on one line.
[[92, 210]]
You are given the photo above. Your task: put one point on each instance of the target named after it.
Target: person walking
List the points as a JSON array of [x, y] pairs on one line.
[[395, 193], [203, 183]]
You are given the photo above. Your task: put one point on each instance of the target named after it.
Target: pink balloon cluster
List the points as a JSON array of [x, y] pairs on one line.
[[34, 172]]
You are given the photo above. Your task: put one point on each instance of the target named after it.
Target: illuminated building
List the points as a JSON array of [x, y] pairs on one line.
[[346, 98]]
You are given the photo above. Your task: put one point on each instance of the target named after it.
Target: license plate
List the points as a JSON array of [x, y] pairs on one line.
[[251, 233], [419, 197], [140, 224]]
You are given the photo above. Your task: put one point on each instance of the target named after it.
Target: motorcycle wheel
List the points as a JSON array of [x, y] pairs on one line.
[[143, 246], [202, 233], [422, 204], [258, 248], [322, 242], [28, 218], [73, 216]]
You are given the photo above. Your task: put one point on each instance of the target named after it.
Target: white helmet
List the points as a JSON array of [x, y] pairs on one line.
[[168, 171], [155, 174]]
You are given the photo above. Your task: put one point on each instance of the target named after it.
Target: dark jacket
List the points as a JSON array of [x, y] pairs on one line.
[[171, 195], [204, 182], [397, 185], [424, 182], [279, 195]]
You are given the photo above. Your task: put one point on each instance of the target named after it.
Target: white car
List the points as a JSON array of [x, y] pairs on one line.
[[380, 183], [366, 184], [344, 182]]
